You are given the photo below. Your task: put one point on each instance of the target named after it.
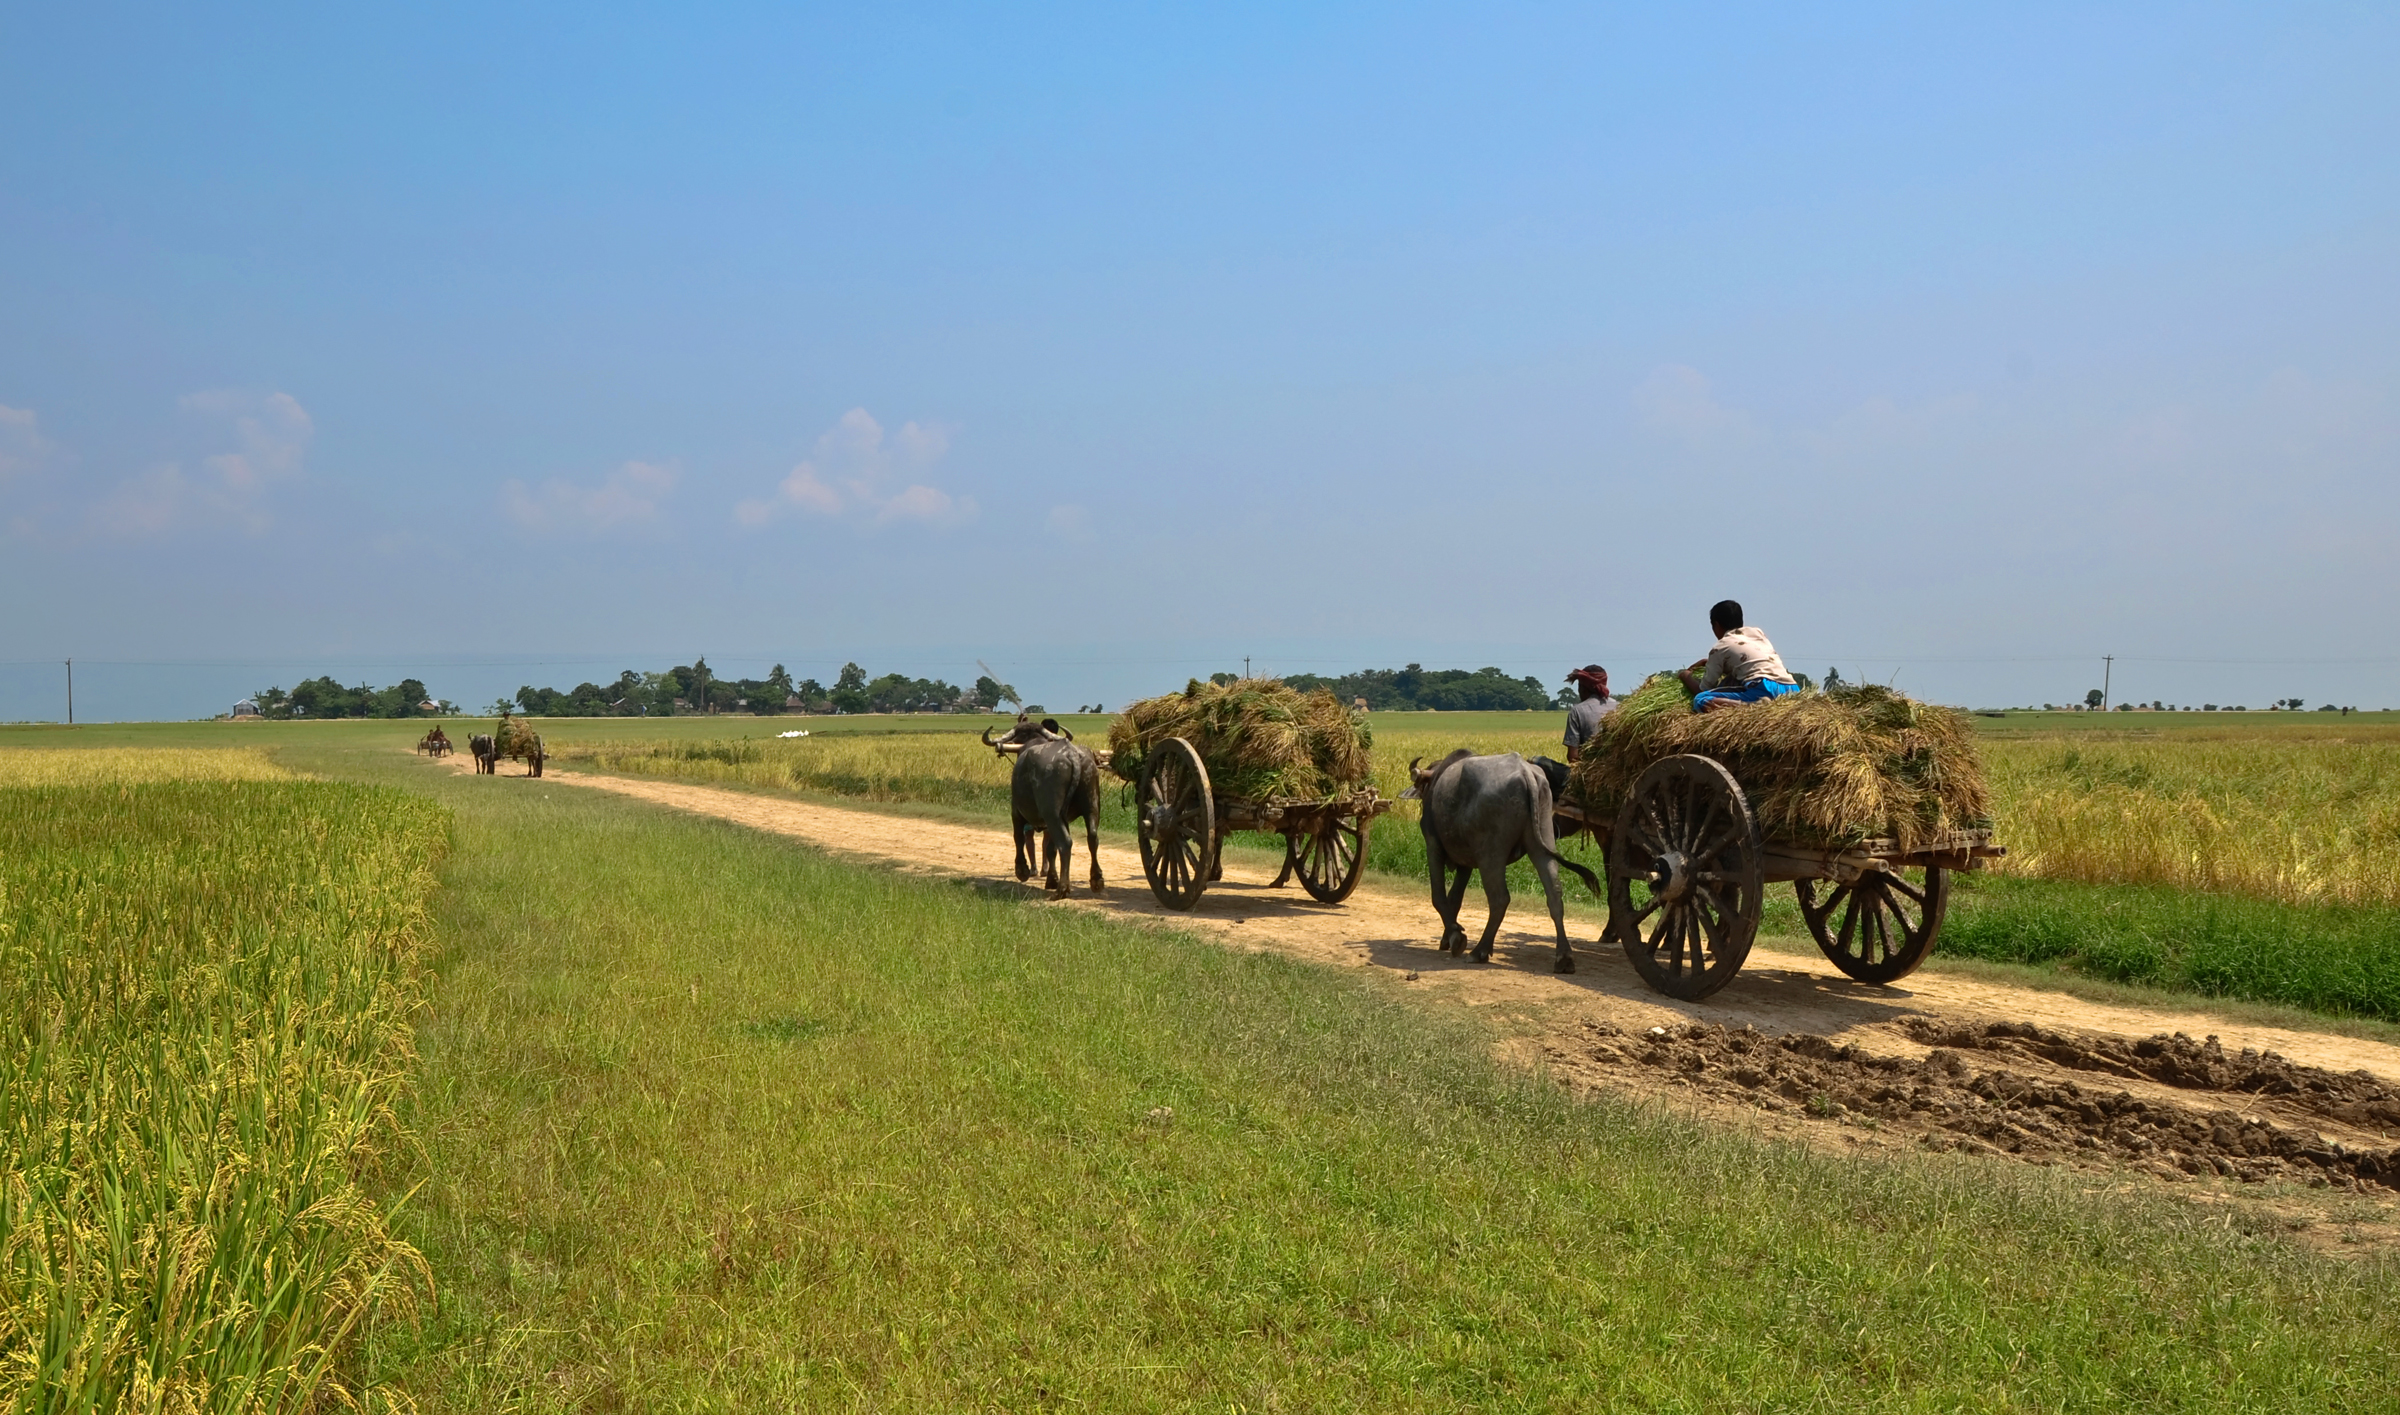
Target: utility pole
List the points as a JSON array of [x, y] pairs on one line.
[[70, 692], [2108, 665], [1245, 665]]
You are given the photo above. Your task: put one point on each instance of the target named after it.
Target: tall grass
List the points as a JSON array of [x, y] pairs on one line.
[[208, 987], [2301, 822]]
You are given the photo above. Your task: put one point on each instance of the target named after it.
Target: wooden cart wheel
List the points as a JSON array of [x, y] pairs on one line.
[[1685, 833], [1329, 854], [1176, 818], [1879, 929]]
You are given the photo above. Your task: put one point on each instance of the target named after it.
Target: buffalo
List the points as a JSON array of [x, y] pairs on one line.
[[1053, 783], [487, 756], [1482, 813]]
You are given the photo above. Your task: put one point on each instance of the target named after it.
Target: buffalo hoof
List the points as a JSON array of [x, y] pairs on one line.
[[1023, 874], [1484, 954], [1098, 884], [1564, 964]]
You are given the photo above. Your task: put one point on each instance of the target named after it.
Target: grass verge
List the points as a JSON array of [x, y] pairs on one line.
[[713, 1122], [2340, 960], [209, 987]]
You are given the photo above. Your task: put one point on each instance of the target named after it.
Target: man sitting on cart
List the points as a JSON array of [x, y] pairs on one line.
[[1742, 668], [1583, 719]]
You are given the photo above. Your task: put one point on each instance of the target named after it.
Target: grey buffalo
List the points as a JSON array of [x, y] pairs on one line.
[[1054, 782], [1481, 813], [487, 756]]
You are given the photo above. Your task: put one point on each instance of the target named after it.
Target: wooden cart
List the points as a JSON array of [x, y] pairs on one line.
[[1182, 824], [1686, 834]]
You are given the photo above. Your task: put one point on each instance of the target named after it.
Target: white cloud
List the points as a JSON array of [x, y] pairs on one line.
[[629, 496], [273, 431], [148, 504], [270, 434], [1678, 400], [849, 473]]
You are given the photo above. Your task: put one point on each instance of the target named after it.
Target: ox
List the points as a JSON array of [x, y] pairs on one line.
[[1053, 783], [1481, 813]]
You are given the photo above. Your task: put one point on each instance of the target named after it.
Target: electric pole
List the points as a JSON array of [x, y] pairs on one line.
[[70, 692], [2108, 664], [1245, 665]]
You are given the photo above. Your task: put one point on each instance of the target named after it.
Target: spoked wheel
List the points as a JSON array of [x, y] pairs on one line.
[[1879, 929], [1329, 855], [1176, 818], [1686, 835]]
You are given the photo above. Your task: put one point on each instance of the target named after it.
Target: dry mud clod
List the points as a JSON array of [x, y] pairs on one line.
[[1954, 1098]]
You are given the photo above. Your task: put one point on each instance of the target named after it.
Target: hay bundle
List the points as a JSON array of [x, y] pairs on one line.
[[515, 739], [1257, 737], [1822, 769]]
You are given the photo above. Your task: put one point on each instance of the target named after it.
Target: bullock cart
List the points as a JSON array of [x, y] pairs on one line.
[[1686, 835], [1182, 824]]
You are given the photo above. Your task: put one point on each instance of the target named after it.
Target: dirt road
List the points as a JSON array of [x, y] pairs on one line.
[[1939, 1060]]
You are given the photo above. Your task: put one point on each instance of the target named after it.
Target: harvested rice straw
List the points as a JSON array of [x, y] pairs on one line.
[[1819, 768], [1257, 737]]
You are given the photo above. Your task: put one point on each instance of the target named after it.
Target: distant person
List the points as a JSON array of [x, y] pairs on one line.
[[1742, 668], [1593, 704]]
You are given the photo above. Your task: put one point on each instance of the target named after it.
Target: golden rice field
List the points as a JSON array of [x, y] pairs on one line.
[[208, 969], [134, 766], [2266, 813]]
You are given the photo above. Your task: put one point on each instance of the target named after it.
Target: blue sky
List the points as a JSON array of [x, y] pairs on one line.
[[1963, 345]]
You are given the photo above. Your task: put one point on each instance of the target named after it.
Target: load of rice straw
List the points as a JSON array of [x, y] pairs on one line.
[[1257, 737], [1824, 769], [514, 737]]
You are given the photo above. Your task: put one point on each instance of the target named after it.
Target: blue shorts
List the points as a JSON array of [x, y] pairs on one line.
[[1754, 692]]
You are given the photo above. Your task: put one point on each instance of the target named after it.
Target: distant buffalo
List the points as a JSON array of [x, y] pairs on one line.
[[1053, 782], [1481, 814]]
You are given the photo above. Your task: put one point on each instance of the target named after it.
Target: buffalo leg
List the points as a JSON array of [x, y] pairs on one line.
[[1091, 838], [1445, 899], [1058, 855], [1495, 899], [1021, 830], [1545, 864]]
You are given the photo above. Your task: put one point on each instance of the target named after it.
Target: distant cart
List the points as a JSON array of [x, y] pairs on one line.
[[1182, 824], [1686, 833]]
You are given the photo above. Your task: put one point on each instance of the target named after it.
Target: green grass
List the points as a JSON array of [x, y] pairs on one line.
[[712, 1122], [208, 987], [2335, 959]]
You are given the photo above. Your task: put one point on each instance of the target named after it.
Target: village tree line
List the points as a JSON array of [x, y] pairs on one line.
[[695, 688]]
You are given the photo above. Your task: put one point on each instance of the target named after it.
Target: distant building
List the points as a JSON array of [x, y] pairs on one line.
[[247, 707]]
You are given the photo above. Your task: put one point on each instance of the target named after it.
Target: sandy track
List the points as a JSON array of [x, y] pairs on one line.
[[1567, 1022]]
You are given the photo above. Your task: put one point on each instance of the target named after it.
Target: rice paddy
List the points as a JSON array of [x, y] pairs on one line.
[[208, 968], [135, 766]]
